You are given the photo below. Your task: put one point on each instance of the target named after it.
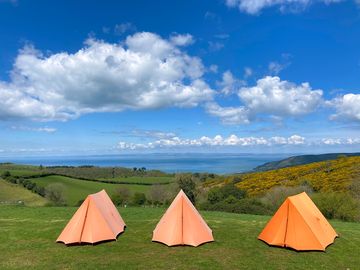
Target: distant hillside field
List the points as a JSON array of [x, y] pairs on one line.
[[27, 241], [300, 160], [78, 182], [76, 190], [12, 194]]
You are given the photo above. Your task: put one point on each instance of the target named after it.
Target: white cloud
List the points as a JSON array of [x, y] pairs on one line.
[[122, 28], [248, 72], [269, 96], [347, 107], [229, 84], [275, 67], [340, 141], [145, 72], [229, 115], [255, 6], [213, 68], [35, 129], [280, 98], [182, 40], [215, 46], [216, 141]]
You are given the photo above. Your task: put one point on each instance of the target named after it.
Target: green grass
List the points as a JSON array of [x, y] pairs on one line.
[[27, 240], [76, 190], [11, 193], [143, 179]]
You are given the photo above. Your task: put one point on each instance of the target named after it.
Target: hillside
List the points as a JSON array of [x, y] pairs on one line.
[[78, 182], [333, 175], [76, 190], [12, 194], [327, 176], [300, 160], [27, 240]]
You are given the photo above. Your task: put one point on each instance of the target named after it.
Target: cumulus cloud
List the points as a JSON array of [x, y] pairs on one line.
[[269, 96], [347, 107], [144, 72], [255, 6], [276, 97], [218, 140]]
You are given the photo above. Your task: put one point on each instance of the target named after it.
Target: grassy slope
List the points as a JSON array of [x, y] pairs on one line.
[[11, 193], [27, 240], [76, 190], [142, 179]]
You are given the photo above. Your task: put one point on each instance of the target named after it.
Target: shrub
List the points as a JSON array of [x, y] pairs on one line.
[[219, 194], [277, 195], [338, 206], [80, 202], [55, 194], [157, 194], [139, 198], [5, 174], [187, 184], [121, 196], [233, 205]]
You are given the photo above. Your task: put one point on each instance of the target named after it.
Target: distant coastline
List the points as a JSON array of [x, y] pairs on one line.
[[220, 163]]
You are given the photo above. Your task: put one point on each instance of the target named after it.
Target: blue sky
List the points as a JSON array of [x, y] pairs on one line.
[[90, 77]]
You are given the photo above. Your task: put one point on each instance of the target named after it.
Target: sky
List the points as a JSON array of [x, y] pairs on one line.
[[238, 76]]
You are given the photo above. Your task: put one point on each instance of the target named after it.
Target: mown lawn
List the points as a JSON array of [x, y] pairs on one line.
[[76, 190], [27, 241], [12, 194]]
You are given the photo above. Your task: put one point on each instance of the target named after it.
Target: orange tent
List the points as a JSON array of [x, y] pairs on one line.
[[299, 224], [182, 225], [96, 220]]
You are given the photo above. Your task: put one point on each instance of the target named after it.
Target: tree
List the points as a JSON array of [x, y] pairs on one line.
[[217, 194], [55, 194], [121, 196], [139, 198], [187, 184]]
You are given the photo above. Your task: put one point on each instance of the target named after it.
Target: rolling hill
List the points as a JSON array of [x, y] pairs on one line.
[[13, 194], [300, 160]]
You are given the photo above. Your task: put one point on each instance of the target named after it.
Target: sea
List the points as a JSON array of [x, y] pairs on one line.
[[219, 163]]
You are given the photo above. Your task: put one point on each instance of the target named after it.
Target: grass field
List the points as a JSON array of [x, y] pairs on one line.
[[11, 193], [142, 179], [76, 190], [28, 234]]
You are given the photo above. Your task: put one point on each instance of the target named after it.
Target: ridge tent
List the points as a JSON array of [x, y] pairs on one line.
[[96, 220], [300, 225], [182, 225]]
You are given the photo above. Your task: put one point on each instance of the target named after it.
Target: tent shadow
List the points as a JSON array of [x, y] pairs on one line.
[[299, 251], [93, 244], [182, 245]]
